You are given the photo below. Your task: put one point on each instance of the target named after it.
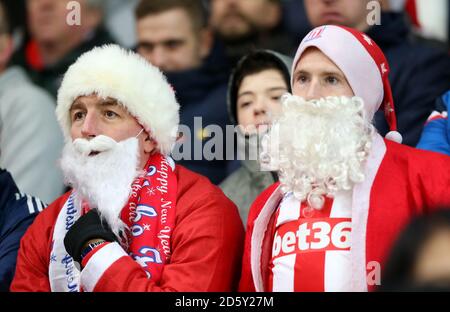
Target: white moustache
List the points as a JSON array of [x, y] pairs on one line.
[[98, 144]]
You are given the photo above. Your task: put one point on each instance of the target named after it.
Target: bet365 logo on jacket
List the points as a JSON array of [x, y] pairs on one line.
[[306, 235]]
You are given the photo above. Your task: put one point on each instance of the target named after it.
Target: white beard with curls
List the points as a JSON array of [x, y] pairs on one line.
[[101, 171], [319, 147]]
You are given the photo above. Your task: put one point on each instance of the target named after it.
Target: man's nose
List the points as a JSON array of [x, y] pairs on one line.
[[313, 91], [158, 58], [90, 126]]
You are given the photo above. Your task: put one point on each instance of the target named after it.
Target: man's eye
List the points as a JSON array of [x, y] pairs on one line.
[[302, 79], [245, 104], [145, 47], [171, 45], [332, 80], [110, 114], [78, 116]]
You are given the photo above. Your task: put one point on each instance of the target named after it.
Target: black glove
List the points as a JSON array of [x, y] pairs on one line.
[[88, 227]]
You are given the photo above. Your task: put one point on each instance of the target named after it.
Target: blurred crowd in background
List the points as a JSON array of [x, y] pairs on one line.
[[198, 47]]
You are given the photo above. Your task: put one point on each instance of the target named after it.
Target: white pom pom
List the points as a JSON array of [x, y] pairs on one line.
[[394, 136]]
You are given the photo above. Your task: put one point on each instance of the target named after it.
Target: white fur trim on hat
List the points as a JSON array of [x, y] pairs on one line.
[[110, 71]]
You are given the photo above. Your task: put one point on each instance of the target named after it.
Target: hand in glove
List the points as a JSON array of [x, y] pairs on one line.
[[86, 228]]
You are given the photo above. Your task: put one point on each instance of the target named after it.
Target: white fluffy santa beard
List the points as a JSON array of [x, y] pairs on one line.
[[101, 171], [319, 147]]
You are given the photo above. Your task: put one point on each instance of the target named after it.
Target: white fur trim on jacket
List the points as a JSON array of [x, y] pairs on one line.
[[97, 265], [110, 71]]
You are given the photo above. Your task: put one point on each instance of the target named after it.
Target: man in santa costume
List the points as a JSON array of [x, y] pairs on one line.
[[344, 192], [134, 221]]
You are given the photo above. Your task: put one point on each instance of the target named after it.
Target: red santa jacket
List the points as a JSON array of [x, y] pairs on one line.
[[206, 243], [400, 182]]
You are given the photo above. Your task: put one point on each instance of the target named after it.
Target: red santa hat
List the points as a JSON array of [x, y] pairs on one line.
[[111, 71], [363, 64]]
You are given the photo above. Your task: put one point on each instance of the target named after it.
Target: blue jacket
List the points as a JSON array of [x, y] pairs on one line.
[[202, 92], [17, 212], [436, 133], [419, 74]]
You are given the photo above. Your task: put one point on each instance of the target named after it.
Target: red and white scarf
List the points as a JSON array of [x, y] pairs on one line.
[[149, 214]]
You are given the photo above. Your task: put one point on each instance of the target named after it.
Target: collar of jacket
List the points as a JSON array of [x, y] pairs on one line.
[[393, 29]]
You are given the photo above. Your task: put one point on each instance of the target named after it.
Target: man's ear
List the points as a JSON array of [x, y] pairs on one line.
[[149, 144], [206, 42]]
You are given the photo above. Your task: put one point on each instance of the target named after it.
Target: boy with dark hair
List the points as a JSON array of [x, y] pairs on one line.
[[255, 88]]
